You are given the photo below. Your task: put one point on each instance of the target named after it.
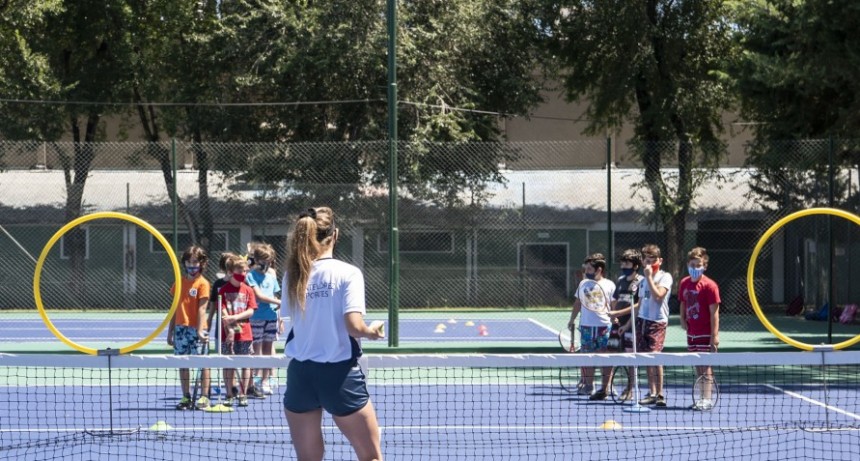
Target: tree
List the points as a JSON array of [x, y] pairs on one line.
[[798, 81], [661, 65]]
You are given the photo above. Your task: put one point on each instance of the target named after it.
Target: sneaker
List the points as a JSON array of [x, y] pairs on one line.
[[230, 401], [626, 395], [586, 389], [243, 401], [703, 405], [660, 401], [267, 389], [648, 400], [184, 404], [202, 403], [257, 380], [599, 395], [256, 393]]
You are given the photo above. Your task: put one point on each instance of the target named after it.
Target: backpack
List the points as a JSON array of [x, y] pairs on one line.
[[795, 307]]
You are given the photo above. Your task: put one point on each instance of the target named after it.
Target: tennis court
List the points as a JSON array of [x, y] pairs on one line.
[[433, 407], [535, 331]]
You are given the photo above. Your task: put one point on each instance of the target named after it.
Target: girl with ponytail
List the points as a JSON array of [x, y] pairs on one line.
[[325, 302]]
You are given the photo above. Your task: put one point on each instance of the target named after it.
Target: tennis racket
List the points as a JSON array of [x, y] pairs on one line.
[[620, 387], [706, 392], [204, 350], [592, 297], [567, 338]]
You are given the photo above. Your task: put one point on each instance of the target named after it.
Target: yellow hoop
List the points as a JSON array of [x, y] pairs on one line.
[[751, 272], [37, 279]]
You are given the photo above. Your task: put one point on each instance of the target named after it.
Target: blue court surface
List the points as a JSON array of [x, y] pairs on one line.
[[433, 420], [126, 331]]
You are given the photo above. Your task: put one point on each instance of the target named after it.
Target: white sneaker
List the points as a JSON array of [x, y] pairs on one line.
[[703, 405], [586, 389], [266, 389]]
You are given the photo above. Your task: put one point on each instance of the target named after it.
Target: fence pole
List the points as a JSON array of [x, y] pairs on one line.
[[609, 240], [175, 197], [831, 288], [393, 234]]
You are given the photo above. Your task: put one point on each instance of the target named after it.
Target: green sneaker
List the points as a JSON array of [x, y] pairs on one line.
[[230, 401], [184, 404], [243, 401], [202, 403]]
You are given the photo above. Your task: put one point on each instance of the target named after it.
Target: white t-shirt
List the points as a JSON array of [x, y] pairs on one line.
[[649, 308], [335, 288], [593, 319]]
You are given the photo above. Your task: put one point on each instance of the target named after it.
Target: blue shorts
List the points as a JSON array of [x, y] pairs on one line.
[[593, 339], [185, 340], [264, 331], [236, 348], [340, 388]]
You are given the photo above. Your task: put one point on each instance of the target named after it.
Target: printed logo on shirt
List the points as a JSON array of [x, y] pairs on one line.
[[691, 299], [192, 292], [320, 290]]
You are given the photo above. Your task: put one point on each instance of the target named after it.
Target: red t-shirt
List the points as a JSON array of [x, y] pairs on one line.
[[698, 297], [237, 300]]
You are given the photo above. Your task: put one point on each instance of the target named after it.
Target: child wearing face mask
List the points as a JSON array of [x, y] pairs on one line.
[[626, 296], [238, 304], [700, 314], [266, 322], [188, 325]]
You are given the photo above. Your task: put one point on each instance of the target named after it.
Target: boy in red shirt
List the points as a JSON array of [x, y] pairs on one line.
[[237, 306], [700, 315]]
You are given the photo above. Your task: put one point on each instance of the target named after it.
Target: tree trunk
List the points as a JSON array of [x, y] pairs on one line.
[[75, 240], [202, 158]]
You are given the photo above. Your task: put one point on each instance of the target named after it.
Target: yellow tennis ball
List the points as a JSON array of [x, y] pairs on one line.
[[610, 424]]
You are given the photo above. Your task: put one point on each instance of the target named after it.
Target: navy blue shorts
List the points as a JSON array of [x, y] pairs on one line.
[[339, 388]]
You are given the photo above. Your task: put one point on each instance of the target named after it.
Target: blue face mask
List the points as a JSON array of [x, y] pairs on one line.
[[695, 272], [627, 271], [263, 267], [589, 276], [192, 270]]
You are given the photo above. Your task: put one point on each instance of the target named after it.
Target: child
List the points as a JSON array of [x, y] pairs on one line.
[[700, 316], [237, 305], [594, 326], [652, 317], [266, 322], [188, 325], [223, 277], [625, 298]]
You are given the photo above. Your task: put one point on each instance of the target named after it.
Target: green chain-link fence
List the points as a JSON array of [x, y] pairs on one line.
[[489, 232]]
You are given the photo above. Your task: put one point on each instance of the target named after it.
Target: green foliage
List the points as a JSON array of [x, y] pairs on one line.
[[797, 81], [659, 64]]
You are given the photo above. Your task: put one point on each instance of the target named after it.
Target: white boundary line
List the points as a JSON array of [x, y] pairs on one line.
[[813, 401], [545, 327], [434, 428]]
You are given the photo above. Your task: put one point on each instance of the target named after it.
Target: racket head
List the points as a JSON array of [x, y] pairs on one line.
[[706, 389], [567, 338], [593, 297], [569, 379], [618, 384]]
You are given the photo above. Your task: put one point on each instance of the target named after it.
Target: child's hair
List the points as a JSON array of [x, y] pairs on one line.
[[597, 261], [260, 251], [197, 253], [650, 251], [313, 231], [235, 261], [632, 256], [698, 253], [222, 263]]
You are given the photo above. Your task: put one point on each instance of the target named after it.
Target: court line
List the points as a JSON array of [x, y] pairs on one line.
[[435, 428], [545, 327], [814, 402]]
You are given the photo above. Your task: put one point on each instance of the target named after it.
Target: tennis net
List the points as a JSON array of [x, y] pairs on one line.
[[803, 405]]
